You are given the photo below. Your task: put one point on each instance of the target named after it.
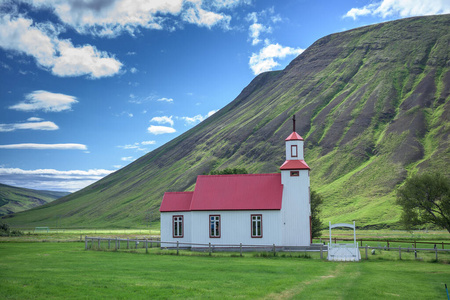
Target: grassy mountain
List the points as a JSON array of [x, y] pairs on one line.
[[15, 199], [372, 104]]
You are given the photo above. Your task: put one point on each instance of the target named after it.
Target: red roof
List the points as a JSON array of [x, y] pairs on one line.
[[294, 165], [294, 137], [230, 192], [176, 201]]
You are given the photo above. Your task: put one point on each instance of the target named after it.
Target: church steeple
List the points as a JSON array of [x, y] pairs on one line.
[[294, 151]]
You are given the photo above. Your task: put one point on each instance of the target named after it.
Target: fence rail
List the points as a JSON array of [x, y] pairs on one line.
[[118, 243], [388, 241]]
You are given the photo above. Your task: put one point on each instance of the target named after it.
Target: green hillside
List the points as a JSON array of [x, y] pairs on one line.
[[372, 104], [15, 199]]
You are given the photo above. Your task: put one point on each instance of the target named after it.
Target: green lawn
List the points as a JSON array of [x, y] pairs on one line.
[[66, 270]]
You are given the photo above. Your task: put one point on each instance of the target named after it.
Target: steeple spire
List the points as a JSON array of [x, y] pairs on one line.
[[293, 123]]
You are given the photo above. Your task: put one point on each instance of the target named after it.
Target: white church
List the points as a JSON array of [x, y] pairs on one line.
[[252, 209]]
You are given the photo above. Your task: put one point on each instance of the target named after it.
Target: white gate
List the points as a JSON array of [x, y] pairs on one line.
[[344, 252]]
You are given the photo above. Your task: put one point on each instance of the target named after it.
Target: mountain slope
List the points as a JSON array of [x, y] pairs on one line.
[[372, 104], [15, 199]]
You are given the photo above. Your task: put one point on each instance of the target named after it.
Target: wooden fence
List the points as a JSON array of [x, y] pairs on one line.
[[118, 243], [388, 242], [404, 249]]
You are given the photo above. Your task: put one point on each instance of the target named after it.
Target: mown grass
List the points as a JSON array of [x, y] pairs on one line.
[[66, 270]]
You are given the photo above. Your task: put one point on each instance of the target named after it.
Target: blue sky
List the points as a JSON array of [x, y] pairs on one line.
[[88, 86]]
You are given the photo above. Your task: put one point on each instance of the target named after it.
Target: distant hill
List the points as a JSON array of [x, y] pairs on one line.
[[373, 105], [15, 199]]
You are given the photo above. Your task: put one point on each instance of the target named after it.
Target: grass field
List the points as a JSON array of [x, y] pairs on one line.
[[65, 270]]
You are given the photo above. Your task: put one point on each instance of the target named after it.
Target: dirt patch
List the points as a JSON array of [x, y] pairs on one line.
[[289, 293]]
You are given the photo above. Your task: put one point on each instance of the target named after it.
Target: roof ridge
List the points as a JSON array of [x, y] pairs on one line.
[[235, 175]]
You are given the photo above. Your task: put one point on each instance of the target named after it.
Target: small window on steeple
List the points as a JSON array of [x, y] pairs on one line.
[[294, 151], [295, 173]]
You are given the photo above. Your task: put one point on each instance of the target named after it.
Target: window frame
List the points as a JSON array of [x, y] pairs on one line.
[[294, 150], [181, 223], [217, 227], [261, 226], [295, 173]]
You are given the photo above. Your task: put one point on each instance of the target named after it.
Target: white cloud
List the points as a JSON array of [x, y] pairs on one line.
[[34, 119], [193, 120], [127, 158], [44, 125], [198, 118], [163, 120], [133, 70], [85, 60], [170, 100], [255, 31], [111, 18], [195, 14], [60, 56], [402, 8], [67, 146], [138, 146], [258, 19], [50, 179], [265, 60], [46, 101], [160, 129]]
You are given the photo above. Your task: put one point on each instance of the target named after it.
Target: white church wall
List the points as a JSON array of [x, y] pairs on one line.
[[167, 229], [235, 227], [295, 209], [294, 150]]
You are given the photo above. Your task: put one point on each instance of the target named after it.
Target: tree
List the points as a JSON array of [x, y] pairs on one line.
[[425, 199], [229, 171], [316, 223]]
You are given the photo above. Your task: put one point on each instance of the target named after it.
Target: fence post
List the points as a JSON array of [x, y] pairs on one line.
[[436, 254], [442, 245], [209, 249], [116, 245], [128, 243], [387, 244], [85, 242], [177, 247], [240, 249], [366, 252], [136, 244], [98, 243], [109, 244], [146, 246], [321, 251], [400, 252], [274, 250]]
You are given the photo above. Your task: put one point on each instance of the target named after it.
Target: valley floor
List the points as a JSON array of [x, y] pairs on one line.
[[32, 270]]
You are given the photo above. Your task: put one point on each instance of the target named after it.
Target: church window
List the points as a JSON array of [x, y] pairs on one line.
[[294, 151], [214, 226], [295, 173], [178, 226], [256, 226]]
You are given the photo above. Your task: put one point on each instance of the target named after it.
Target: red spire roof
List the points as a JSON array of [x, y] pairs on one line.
[[294, 137], [294, 165]]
